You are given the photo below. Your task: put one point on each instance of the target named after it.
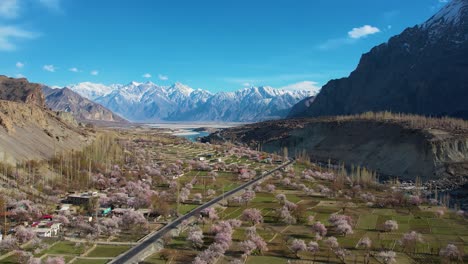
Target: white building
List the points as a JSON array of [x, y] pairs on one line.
[[48, 231]]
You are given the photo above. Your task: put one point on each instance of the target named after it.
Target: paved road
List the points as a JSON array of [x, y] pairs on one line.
[[128, 257]]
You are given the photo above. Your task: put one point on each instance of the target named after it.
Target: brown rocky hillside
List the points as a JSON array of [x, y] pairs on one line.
[[403, 146], [20, 90], [28, 130], [81, 108]]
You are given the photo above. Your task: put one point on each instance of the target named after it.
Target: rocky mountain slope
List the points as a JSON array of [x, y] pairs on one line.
[[178, 102], [20, 90], [424, 70], [28, 130], [400, 146], [82, 109]]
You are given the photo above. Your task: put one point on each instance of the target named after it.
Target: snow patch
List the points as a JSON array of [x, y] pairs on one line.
[[450, 14]]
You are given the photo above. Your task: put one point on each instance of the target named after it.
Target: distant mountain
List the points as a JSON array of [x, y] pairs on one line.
[[81, 108], [424, 70], [147, 102], [92, 91], [246, 105]]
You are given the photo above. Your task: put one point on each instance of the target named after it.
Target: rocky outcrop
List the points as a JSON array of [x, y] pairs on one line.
[[423, 70], [391, 148], [20, 90]]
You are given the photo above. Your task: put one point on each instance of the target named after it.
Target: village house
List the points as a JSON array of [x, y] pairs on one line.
[[47, 229], [81, 199]]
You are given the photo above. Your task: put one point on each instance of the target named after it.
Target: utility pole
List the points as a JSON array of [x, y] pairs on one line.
[[178, 199], [89, 171], [4, 218]]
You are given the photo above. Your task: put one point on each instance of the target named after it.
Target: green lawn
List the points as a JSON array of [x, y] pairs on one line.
[[107, 251], [9, 260], [367, 221], [90, 261], [185, 208], [65, 248], [266, 260]]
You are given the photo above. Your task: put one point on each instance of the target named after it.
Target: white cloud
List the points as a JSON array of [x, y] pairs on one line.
[[363, 31], [19, 75], [303, 86], [9, 8], [10, 33], [74, 69], [353, 36], [163, 77], [146, 75], [19, 65], [247, 84], [95, 72], [49, 68], [53, 5]]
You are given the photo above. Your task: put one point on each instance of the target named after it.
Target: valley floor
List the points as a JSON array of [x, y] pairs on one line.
[[147, 178]]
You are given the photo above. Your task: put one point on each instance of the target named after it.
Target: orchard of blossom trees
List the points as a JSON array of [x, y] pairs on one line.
[[314, 210]]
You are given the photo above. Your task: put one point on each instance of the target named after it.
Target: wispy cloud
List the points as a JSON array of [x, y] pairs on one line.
[[146, 75], [9, 8], [163, 77], [247, 84], [19, 75], [302, 86], [95, 72], [19, 65], [335, 43], [49, 68], [10, 33], [353, 36], [363, 31], [74, 69], [53, 5]]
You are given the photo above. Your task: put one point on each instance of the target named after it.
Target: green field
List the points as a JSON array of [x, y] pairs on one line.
[[366, 221], [104, 251]]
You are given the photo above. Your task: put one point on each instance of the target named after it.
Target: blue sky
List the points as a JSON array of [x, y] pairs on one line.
[[210, 44]]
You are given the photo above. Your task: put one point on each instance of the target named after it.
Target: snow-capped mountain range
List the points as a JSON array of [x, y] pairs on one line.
[[149, 102]]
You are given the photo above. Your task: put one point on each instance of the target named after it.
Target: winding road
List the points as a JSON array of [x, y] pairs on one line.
[[132, 255]]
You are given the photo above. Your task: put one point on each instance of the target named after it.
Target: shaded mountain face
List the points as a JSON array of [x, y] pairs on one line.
[[81, 108], [20, 90], [424, 70], [150, 102]]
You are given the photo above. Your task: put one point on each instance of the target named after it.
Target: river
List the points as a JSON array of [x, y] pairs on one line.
[[192, 131]]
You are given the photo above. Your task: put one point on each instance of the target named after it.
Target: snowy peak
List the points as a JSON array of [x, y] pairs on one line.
[[268, 91], [92, 91], [452, 14], [181, 88], [151, 102]]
